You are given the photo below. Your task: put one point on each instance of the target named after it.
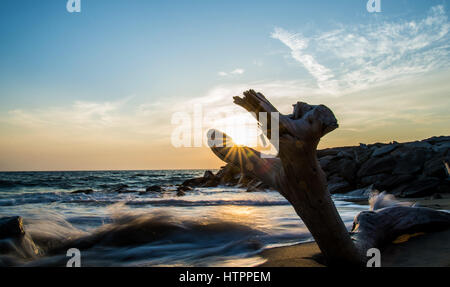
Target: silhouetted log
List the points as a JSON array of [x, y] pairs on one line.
[[296, 173]]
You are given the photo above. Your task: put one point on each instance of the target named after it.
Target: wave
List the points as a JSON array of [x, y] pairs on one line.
[[175, 202], [136, 238]]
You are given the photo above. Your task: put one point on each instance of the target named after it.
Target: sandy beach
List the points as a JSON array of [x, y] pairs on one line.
[[419, 250]]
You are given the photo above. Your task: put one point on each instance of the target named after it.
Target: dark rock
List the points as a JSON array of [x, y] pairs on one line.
[[339, 187], [343, 167], [376, 166], [380, 151], [120, 188], [444, 186], [184, 188], [435, 168], [208, 175], [11, 227], [442, 148], [208, 179], [436, 196], [418, 144], [392, 181], [334, 178], [334, 166], [128, 191], [325, 160], [180, 193], [410, 162], [397, 191], [255, 185], [198, 181], [348, 170], [85, 191], [211, 183], [328, 151], [373, 179], [362, 154], [421, 187], [156, 188], [229, 175], [345, 154], [440, 139], [394, 167]]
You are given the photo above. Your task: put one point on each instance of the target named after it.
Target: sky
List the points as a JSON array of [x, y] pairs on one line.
[[98, 90]]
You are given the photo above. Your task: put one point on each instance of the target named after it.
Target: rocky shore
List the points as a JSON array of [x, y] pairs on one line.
[[409, 170]]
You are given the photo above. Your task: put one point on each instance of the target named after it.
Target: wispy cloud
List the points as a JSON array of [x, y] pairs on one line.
[[354, 58], [237, 71]]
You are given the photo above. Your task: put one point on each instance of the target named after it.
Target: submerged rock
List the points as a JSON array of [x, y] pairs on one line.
[[156, 188], [85, 191], [11, 227]]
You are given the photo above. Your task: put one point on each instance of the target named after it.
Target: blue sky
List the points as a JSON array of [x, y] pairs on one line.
[[136, 62]]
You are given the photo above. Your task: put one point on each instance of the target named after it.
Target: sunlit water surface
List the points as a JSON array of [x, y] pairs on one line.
[[221, 226]]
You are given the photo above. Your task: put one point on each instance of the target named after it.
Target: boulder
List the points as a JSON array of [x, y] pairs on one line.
[[435, 167], [444, 186], [380, 151], [345, 154], [348, 170], [418, 144], [198, 181], [442, 148], [436, 196], [421, 187], [211, 183], [325, 160], [391, 182], [156, 188], [437, 140], [85, 191], [397, 191], [184, 188], [255, 185], [373, 179], [11, 227], [343, 167], [410, 162], [208, 175], [338, 185], [328, 151], [181, 190], [377, 165], [228, 175], [361, 153], [334, 166], [120, 188]]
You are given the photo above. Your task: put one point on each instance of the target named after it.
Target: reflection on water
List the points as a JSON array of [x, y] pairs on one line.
[[221, 226]]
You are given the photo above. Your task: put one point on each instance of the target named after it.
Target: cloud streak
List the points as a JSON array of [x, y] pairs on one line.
[[237, 71], [354, 58]]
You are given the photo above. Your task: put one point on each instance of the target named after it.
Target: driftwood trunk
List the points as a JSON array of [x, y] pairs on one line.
[[297, 175]]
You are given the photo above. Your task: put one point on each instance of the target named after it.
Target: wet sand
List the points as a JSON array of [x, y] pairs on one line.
[[424, 250]]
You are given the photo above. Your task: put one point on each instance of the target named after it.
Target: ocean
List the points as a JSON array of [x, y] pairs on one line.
[[220, 226]]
